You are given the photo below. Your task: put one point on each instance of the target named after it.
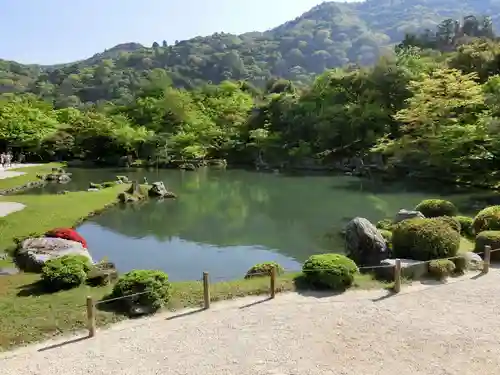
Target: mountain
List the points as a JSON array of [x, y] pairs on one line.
[[329, 35]]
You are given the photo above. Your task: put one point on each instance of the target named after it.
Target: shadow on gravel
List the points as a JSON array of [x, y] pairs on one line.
[[58, 345]]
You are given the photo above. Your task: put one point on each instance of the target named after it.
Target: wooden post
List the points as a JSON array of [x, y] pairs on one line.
[[91, 316], [487, 259], [397, 276], [206, 290], [273, 282]]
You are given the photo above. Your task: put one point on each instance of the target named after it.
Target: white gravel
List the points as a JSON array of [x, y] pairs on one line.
[[437, 330]]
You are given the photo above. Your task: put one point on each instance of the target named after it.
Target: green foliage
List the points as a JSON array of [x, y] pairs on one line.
[[451, 221], [385, 224], [461, 264], [153, 286], [488, 238], [487, 219], [387, 234], [466, 226], [425, 239], [436, 207], [441, 268], [264, 269], [66, 272], [332, 271]]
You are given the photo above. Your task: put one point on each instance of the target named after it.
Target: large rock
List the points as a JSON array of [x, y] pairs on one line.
[[410, 269], [472, 261], [158, 189], [364, 243], [34, 252], [407, 214]]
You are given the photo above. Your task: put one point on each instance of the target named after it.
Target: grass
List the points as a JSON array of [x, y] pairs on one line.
[[30, 175], [466, 245], [29, 315]]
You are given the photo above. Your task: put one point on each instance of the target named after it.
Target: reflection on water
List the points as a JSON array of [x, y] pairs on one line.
[[225, 221]]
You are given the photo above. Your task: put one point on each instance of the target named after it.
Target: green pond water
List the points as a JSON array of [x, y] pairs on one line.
[[224, 222]]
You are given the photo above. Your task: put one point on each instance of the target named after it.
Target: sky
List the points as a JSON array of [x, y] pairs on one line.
[[59, 31]]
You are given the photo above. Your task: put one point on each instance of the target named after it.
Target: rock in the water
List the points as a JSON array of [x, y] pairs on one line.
[[410, 269], [34, 252], [123, 179], [158, 189], [187, 167], [407, 214], [127, 198], [364, 243]]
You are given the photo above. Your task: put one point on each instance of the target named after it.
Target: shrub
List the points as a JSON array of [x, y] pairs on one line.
[[466, 228], [487, 219], [155, 284], [333, 271], [387, 234], [67, 234], [424, 239], [451, 221], [436, 207], [385, 224], [441, 268], [65, 272], [490, 238], [460, 264], [264, 269]]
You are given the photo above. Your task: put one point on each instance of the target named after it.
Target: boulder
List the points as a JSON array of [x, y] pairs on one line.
[[123, 179], [364, 243], [92, 189], [473, 261], [127, 198], [410, 269], [158, 189], [407, 214], [34, 252]]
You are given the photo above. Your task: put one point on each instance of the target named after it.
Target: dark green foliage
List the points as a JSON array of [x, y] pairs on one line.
[[488, 238], [264, 269], [153, 286], [109, 184], [487, 219], [441, 268], [466, 226], [451, 221], [385, 224], [332, 271], [436, 208], [65, 272], [425, 239], [460, 264]]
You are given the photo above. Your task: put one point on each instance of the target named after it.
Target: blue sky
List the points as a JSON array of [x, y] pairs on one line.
[[57, 31]]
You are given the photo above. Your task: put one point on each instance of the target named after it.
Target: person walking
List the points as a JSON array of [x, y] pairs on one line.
[[8, 159], [2, 159]]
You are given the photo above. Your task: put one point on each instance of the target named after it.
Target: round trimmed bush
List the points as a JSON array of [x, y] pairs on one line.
[[487, 219], [488, 238], [460, 264], [436, 208], [466, 228], [451, 221], [264, 269], [154, 287], [333, 271], [424, 239], [66, 272], [67, 234], [387, 234], [385, 224], [441, 268]]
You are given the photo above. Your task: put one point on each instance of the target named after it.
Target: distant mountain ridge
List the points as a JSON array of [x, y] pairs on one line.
[[327, 36]]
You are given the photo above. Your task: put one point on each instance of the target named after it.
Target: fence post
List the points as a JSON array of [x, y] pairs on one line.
[[206, 290], [487, 259], [273, 282], [397, 276], [91, 316]]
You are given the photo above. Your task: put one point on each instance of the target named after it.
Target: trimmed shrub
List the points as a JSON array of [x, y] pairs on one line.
[[441, 268], [385, 224], [67, 234], [424, 239], [66, 272], [436, 207], [264, 269], [487, 219], [333, 271], [451, 221], [490, 238], [387, 234], [460, 264], [466, 228], [153, 285]]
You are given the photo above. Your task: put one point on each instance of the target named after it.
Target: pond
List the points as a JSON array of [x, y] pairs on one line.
[[226, 221]]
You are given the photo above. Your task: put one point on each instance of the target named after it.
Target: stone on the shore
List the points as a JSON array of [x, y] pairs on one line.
[[158, 189], [407, 214], [34, 252], [127, 198], [364, 243], [473, 261], [410, 269]]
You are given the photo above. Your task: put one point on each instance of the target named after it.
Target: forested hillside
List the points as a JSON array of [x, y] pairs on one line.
[[329, 35]]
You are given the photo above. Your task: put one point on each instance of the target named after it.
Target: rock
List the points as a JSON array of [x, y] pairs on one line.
[[127, 198], [63, 178], [123, 179], [187, 167], [93, 185], [34, 252], [407, 214], [158, 189], [410, 269], [146, 181], [92, 189], [364, 243], [473, 261], [63, 192]]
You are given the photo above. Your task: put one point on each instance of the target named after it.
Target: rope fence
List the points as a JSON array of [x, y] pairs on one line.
[[273, 274]]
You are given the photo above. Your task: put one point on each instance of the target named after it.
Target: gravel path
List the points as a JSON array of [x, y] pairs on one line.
[[447, 329]]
